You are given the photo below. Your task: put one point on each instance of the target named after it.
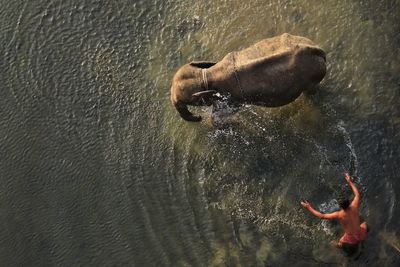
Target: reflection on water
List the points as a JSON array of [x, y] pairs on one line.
[[98, 169]]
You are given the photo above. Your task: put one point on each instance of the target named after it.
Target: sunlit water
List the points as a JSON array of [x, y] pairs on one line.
[[98, 169]]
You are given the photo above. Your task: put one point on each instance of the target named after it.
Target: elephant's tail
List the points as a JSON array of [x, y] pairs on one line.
[[185, 113]]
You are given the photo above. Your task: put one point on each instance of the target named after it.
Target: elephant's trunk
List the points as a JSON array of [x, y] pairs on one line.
[[185, 113], [319, 52]]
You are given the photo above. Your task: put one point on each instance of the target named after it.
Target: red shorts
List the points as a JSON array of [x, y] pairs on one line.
[[354, 238]]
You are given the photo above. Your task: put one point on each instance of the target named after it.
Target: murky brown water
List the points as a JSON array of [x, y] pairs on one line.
[[97, 168]]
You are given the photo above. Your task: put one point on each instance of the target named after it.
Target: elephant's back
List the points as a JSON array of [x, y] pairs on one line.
[[283, 45], [271, 60], [275, 70]]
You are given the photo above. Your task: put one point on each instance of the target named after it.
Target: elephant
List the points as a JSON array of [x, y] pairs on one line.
[[271, 73]]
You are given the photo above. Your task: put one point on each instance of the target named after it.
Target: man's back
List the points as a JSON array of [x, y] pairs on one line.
[[350, 220]]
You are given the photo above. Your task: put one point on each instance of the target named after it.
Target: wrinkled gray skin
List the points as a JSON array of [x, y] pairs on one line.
[[270, 73]]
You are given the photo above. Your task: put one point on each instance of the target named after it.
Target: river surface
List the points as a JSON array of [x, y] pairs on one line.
[[98, 169]]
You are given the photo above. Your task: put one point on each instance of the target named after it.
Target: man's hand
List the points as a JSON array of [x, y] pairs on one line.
[[348, 178], [306, 204]]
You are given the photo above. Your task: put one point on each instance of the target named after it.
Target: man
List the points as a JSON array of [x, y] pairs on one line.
[[354, 232]]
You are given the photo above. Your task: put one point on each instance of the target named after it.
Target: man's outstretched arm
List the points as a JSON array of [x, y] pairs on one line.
[[307, 205], [356, 199]]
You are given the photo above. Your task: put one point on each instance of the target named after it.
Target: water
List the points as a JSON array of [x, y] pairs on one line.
[[97, 168]]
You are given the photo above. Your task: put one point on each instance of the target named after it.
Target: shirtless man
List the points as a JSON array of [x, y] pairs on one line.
[[354, 232]]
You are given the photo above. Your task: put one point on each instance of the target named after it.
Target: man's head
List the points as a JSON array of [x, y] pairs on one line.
[[343, 202]]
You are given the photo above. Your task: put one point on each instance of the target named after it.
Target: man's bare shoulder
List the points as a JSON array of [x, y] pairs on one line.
[[342, 214], [354, 204]]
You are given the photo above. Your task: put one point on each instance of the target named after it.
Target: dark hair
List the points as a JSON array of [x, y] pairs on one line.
[[343, 202]]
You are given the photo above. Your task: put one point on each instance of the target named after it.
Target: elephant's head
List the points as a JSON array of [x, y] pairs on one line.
[[189, 87]]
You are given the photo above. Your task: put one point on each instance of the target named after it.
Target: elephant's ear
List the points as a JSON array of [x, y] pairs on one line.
[[202, 64]]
